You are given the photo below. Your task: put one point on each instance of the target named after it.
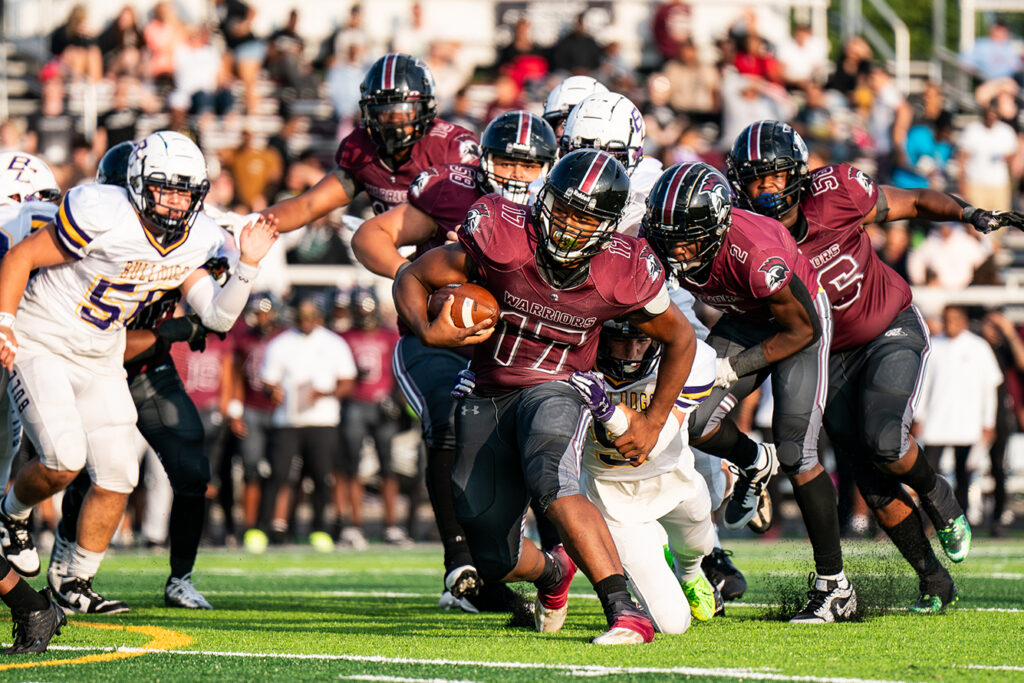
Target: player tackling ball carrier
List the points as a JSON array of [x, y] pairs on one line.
[[558, 272]]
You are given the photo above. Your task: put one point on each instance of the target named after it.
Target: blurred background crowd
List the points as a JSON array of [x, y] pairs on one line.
[[267, 105]]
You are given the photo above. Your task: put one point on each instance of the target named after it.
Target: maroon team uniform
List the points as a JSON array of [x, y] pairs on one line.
[[520, 434], [444, 143], [249, 348], [369, 410], [757, 258], [881, 343]]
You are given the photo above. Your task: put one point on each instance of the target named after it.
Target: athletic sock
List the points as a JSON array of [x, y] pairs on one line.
[[24, 598], [818, 505], [550, 575], [84, 563], [937, 497], [729, 443], [185, 531], [14, 508], [908, 537], [613, 593], [439, 490]]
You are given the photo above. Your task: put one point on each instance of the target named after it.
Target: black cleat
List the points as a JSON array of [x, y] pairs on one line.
[[17, 545], [723, 574], [77, 595], [33, 630]]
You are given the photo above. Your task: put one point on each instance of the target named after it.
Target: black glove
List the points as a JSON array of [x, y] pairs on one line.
[[987, 221], [188, 328]]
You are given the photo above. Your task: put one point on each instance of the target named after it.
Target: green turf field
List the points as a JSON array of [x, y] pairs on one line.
[[298, 615]]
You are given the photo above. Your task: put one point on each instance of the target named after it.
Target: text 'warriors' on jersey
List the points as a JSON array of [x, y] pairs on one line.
[[546, 333]]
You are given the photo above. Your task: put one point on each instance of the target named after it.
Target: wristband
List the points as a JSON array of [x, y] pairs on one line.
[[7, 320], [617, 424], [246, 273]]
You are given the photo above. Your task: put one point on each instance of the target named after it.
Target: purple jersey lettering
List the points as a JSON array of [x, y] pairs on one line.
[[445, 143], [865, 293], [546, 333], [757, 258]]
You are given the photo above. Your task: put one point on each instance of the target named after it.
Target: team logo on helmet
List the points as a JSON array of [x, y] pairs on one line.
[[718, 200], [775, 272]]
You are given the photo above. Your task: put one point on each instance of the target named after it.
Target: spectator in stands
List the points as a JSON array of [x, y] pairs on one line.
[[202, 84], [663, 125], [803, 59], [986, 149], [896, 248], [507, 97], [850, 66], [51, 130], [670, 27], [369, 412], [577, 51], [75, 47], [695, 85], [615, 71], [746, 99], [121, 122], [925, 156], [290, 141], [163, 34], [889, 119], [948, 258], [958, 398], [12, 139], [342, 81], [995, 56], [1008, 347], [306, 370], [351, 34], [257, 168], [692, 145], [522, 59], [121, 44], [411, 37], [461, 112], [236, 25], [753, 58], [286, 60], [451, 73]]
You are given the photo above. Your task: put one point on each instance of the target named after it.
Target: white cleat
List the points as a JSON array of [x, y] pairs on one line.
[[618, 636], [182, 593], [828, 601], [449, 602], [462, 581]]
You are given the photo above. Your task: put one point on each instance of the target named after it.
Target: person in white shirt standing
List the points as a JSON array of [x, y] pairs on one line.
[[958, 397], [986, 147], [306, 371], [107, 254]]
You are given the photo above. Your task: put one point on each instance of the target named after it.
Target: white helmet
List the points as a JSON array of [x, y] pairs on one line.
[[606, 121], [168, 161], [24, 177], [567, 95]]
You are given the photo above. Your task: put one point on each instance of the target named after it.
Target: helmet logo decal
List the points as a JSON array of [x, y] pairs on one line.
[[863, 180], [719, 202], [653, 265], [775, 272]]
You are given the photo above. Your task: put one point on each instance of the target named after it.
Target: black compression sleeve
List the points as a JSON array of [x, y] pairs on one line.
[[799, 289]]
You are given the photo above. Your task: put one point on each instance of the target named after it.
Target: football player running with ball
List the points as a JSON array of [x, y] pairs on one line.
[[516, 149], [880, 344], [558, 271], [776, 323], [108, 254]]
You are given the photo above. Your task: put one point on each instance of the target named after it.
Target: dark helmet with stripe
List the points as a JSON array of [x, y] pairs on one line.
[[396, 99], [619, 369], [520, 136], [591, 186], [765, 148], [113, 167], [689, 204]]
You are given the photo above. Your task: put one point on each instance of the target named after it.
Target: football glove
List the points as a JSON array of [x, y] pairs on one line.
[[465, 382], [590, 386], [987, 221], [724, 374]]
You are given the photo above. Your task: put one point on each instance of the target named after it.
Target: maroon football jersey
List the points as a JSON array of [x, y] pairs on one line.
[[865, 293], [249, 347], [202, 371], [372, 352], [545, 333], [445, 194], [757, 258], [444, 143]]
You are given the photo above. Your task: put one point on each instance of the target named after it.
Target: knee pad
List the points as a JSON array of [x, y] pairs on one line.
[[189, 470], [792, 459], [888, 442]]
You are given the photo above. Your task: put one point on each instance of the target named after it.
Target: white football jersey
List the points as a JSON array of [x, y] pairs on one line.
[[641, 181], [80, 308], [603, 461], [18, 220]]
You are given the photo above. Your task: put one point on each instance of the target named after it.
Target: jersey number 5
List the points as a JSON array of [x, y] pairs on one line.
[[106, 303]]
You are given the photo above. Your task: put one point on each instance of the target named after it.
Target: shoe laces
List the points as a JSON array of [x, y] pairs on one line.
[[184, 587], [20, 537]]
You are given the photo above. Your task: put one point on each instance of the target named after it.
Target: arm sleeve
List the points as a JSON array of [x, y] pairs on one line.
[[218, 307]]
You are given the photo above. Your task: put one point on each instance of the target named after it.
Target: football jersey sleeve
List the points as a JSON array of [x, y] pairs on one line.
[[463, 147], [477, 234], [857, 194], [770, 270], [701, 379], [444, 193], [31, 216], [83, 216], [649, 282]]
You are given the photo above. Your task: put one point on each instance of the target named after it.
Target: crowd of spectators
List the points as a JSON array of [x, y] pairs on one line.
[[267, 110]]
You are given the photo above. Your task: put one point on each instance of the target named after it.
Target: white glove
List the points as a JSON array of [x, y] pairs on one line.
[[724, 374]]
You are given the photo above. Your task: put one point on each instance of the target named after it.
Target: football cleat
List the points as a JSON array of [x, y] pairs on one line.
[[719, 602], [723, 574], [955, 539], [33, 630], [746, 493], [395, 535], [449, 601], [182, 593], [75, 594], [60, 559], [935, 597], [764, 515], [828, 601], [701, 597], [552, 605], [352, 537], [462, 581], [17, 545], [629, 626]]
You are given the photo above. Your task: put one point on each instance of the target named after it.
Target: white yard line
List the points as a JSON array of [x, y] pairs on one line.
[[993, 667], [399, 679]]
